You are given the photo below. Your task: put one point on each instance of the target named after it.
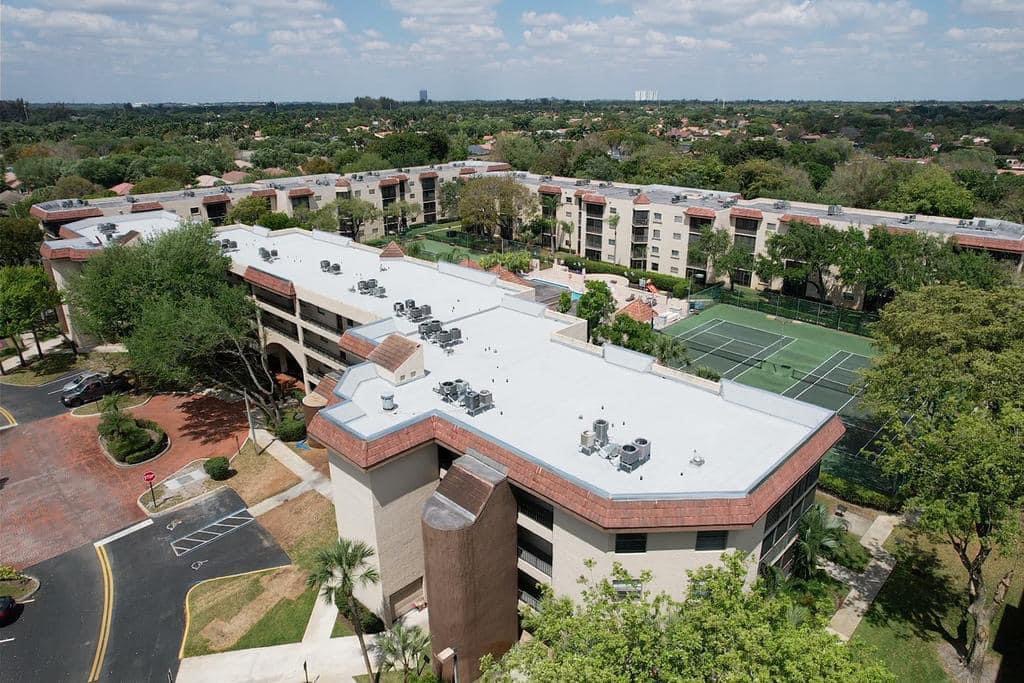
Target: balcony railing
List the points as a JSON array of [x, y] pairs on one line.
[[286, 328], [324, 346], [319, 322], [593, 242], [534, 560], [595, 225], [641, 220], [640, 236], [529, 599], [275, 300]]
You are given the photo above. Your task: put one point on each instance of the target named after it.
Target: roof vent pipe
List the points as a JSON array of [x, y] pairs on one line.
[[601, 431], [388, 401]]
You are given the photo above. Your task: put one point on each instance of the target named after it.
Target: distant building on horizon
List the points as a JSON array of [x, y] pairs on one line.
[[645, 95], [423, 96]]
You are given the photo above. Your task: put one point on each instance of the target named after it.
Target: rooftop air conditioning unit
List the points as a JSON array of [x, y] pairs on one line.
[[601, 431], [325, 266], [130, 199], [336, 268], [834, 210]]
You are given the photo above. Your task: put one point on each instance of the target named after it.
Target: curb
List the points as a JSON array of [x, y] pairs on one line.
[[126, 466], [73, 414]]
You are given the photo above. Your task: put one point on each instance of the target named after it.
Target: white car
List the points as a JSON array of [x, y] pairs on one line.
[[76, 382]]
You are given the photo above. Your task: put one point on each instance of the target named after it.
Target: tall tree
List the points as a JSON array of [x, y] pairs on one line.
[[818, 531], [947, 382], [26, 293], [710, 248], [352, 214], [721, 632], [596, 304], [405, 212], [402, 647], [803, 254], [495, 203], [339, 570], [19, 241]]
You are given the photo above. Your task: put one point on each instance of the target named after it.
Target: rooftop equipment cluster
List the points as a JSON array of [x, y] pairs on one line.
[[228, 245], [414, 313], [458, 392], [268, 254], [371, 288], [432, 332], [628, 456], [332, 268]]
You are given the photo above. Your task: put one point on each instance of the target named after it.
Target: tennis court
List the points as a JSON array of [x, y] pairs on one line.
[[798, 360]]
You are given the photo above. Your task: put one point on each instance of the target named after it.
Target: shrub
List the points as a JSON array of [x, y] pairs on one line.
[[371, 623], [849, 553], [705, 372], [681, 290], [857, 494], [660, 280], [564, 302], [218, 468], [291, 428], [9, 573]]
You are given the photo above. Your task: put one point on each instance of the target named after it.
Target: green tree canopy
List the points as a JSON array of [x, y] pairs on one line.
[[596, 304], [932, 191], [804, 254], [19, 241], [721, 631], [26, 293]]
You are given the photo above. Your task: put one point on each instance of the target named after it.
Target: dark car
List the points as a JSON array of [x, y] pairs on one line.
[[8, 609], [94, 388]]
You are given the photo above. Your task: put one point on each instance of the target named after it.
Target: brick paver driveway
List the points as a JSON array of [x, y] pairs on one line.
[[58, 491]]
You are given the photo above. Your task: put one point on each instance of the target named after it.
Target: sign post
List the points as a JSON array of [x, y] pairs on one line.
[[149, 476]]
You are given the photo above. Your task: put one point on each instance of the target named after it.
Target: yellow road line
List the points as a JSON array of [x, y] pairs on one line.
[[108, 605], [6, 414], [188, 612]]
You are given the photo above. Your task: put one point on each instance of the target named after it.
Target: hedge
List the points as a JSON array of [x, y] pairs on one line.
[[291, 428], [857, 494], [667, 283]]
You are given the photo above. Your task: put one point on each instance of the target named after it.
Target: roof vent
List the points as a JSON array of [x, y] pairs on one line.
[[696, 460], [588, 442], [601, 431], [387, 401]]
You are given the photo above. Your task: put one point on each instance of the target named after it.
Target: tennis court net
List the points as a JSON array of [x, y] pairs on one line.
[[722, 352], [837, 379]]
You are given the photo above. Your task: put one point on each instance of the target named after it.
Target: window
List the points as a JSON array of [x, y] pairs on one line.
[[568, 213], [677, 235], [712, 540], [194, 210], [654, 250], [677, 219], [747, 225], [746, 242], [613, 210], [630, 543], [675, 253], [741, 277], [656, 234], [626, 589], [412, 195], [372, 191], [359, 193], [611, 243], [770, 227], [654, 266], [673, 269], [568, 200], [657, 217]]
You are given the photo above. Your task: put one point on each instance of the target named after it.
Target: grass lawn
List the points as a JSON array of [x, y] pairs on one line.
[[850, 553], [58, 363], [258, 476], [919, 609], [342, 627], [270, 607]]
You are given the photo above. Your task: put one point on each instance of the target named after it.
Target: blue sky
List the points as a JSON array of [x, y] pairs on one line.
[[209, 50]]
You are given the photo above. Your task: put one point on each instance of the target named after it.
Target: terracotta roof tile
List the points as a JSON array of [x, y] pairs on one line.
[[392, 251], [638, 310], [393, 351], [266, 192], [741, 212], [700, 212], [549, 189], [507, 275], [994, 243], [356, 344], [795, 218], [467, 171], [428, 174], [342, 182], [66, 215], [67, 233], [142, 207], [641, 199], [593, 198], [499, 167], [263, 279], [469, 263], [220, 198], [301, 192]]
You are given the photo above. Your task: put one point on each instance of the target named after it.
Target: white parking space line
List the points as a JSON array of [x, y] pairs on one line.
[[211, 532], [6, 640]]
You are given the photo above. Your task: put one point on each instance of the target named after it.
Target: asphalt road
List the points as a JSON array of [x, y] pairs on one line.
[[29, 404], [150, 583], [55, 636]]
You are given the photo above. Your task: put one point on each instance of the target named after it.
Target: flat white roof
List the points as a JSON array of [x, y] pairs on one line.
[[451, 291], [147, 224], [546, 392]]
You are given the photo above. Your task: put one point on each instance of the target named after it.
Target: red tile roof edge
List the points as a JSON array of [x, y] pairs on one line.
[[65, 214], [392, 250], [700, 212], [741, 212], [356, 344], [301, 192], [221, 198], [142, 207], [263, 279], [796, 218], [994, 243], [266, 192]]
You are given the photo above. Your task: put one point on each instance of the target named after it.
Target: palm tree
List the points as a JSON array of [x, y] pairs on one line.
[[818, 531], [566, 227], [405, 647], [669, 351], [339, 568]]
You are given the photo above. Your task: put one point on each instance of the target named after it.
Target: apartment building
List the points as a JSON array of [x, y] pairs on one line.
[[481, 446]]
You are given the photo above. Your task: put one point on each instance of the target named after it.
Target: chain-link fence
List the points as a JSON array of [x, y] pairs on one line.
[[826, 315]]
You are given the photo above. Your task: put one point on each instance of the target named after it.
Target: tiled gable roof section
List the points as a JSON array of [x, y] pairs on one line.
[[638, 310], [268, 192], [593, 198], [428, 174], [700, 212], [392, 251], [982, 242], [549, 189], [795, 218], [467, 171], [393, 351], [499, 167], [301, 192], [356, 344], [342, 182], [740, 212], [221, 198], [263, 279], [66, 215], [641, 199], [142, 207]]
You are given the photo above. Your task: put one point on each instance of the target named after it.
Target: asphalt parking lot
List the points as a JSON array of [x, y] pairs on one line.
[[28, 404], [55, 637]]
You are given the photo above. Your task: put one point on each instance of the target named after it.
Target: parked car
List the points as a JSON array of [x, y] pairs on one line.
[[93, 389], [73, 384], [8, 609]]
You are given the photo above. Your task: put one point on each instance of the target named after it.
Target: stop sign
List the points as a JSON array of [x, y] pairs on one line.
[[149, 476]]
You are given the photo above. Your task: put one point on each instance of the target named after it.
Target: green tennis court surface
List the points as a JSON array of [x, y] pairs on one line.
[[799, 360]]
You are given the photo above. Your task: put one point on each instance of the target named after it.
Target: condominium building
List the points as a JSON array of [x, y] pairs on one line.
[[481, 446]]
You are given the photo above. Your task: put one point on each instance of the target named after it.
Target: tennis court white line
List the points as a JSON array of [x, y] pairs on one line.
[[730, 341], [791, 340], [821, 364], [699, 329], [840, 409], [815, 382], [753, 356]]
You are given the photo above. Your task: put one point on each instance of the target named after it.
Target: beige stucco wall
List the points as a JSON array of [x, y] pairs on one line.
[[669, 555]]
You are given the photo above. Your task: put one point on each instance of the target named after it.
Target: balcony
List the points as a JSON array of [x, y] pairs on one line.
[[323, 320], [641, 219], [593, 242], [595, 225], [288, 329], [429, 195], [282, 303], [532, 558], [638, 252], [313, 341], [529, 599], [640, 236]]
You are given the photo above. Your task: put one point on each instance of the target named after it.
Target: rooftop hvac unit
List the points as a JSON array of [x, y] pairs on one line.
[[461, 387], [834, 210], [601, 431], [67, 203], [336, 268], [371, 284], [545, 177], [486, 399], [780, 204], [189, 193], [414, 314], [362, 286], [588, 442], [387, 401], [634, 191], [444, 337], [447, 390], [130, 199], [472, 401], [264, 254], [273, 253], [399, 307], [380, 292], [425, 309], [580, 181], [435, 325], [677, 198], [643, 447], [234, 244], [226, 189], [423, 328], [410, 303], [456, 334], [982, 224], [325, 266], [107, 228], [629, 458]]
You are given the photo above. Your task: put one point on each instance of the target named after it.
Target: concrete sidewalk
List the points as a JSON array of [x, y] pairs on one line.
[[311, 480], [866, 585]]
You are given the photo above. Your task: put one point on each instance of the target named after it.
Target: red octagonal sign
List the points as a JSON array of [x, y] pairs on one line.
[[149, 476]]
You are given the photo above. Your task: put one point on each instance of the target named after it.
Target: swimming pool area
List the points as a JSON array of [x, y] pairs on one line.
[[555, 285]]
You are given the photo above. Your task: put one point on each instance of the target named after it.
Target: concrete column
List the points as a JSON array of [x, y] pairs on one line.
[[311, 405]]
